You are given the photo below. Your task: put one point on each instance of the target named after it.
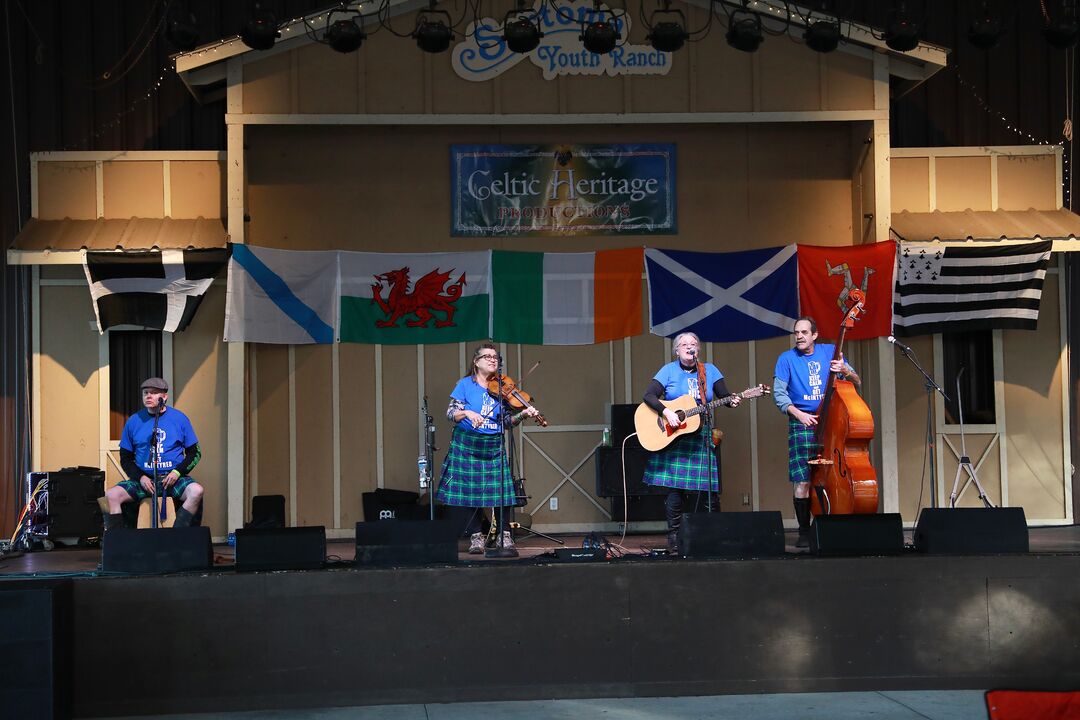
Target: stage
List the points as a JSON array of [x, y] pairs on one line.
[[531, 628]]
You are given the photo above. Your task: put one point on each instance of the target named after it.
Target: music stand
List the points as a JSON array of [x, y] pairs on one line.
[[965, 461]]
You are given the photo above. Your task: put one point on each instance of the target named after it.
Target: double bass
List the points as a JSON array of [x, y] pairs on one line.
[[842, 480]]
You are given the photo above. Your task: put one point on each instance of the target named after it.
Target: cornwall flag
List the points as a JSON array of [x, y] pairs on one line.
[[957, 289], [723, 297], [150, 290]]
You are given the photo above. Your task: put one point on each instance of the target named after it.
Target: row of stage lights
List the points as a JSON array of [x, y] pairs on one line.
[[668, 32]]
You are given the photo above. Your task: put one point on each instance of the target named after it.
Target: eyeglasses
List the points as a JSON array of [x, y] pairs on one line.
[[487, 357]]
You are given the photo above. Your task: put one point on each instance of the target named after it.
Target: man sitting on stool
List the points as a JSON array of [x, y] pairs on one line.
[[177, 454]]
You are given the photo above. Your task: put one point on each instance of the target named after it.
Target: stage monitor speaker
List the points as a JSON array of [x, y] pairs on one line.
[[67, 508], [731, 534], [36, 642], [609, 479], [972, 530], [390, 542], [156, 550], [857, 534], [294, 548]]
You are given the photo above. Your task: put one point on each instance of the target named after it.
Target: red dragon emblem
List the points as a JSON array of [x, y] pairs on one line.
[[427, 295]]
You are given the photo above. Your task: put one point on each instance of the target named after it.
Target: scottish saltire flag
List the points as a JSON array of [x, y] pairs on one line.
[[723, 297], [281, 296], [415, 298], [566, 298], [150, 290], [956, 289]]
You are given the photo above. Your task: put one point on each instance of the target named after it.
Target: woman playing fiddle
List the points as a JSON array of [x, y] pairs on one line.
[[475, 472], [688, 464]]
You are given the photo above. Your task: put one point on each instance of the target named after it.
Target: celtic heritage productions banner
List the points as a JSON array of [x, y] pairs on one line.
[[484, 55], [563, 190]]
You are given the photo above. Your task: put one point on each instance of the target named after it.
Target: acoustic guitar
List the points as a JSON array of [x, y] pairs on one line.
[[653, 431]]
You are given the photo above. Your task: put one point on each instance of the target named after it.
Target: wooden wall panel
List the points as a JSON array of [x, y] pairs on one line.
[[358, 421], [910, 184], [67, 190], [134, 189], [271, 403], [520, 94], [774, 487], [962, 183], [395, 83], [198, 189], [914, 470], [399, 416], [328, 81], [69, 380], [725, 81], [849, 81], [567, 449], [1034, 415], [733, 361], [268, 84], [200, 372], [790, 76], [1027, 182], [314, 436]]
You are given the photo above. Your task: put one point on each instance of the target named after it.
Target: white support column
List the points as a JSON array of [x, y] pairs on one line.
[[889, 482], [755, 471], [335, 364], [1066, 395], [237, 389], [103, 400], [380, 471], [293, 468], [35, 365]]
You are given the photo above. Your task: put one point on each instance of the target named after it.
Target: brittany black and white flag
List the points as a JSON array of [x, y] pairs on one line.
[[956, 289], [148, 290]]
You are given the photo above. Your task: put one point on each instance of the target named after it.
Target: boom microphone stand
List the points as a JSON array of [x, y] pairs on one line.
[[931, 387]]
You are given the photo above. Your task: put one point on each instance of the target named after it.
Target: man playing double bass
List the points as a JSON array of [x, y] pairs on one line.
[[798, 388]]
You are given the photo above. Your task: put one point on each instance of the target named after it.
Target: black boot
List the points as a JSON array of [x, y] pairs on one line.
[[673, 510], [113, 520], [802, 514], [183, 518]]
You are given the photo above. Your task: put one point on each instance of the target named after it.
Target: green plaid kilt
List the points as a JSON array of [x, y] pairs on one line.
[[802, 448], [686, 464], [474, 473]]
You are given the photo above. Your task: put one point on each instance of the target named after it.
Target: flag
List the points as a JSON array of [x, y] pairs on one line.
[[415, 298], [723, 297], [566, 298], [956, 289], [150, 290], [828, 274], [280, 296]]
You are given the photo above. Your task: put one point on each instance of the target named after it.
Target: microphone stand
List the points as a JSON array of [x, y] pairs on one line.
[[428, 474], [155, 456], [500, 550], [931, 387], [706, 422]]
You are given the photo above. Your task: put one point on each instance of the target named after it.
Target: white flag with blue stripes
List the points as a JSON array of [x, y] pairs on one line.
[[281, 296]]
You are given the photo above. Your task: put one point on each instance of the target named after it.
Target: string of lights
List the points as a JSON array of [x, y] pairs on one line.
[[91, 138]]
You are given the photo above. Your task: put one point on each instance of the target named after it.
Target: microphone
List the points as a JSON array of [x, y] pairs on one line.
[[897, 343]]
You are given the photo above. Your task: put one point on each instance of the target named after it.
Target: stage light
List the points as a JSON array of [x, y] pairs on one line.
[[668, 35], [901, 33], [260, 30], [985, 29], [601, 35], [744, 34], [344, 34], [823, 36], [433, 33], [1063, 31], [181, 30], [522, 35]]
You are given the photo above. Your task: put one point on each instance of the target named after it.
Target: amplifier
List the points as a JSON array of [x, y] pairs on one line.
[[67, 506]]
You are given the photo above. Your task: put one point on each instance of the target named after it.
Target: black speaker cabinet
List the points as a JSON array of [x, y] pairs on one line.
[[972, 530], [36, 641], [609, 480], [731, 534], [857, 534], [67, 508], [390, 542], [267, 511], [295, 548], [157, 550]]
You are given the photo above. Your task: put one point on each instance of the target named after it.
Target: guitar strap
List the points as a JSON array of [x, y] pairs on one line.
[[702, 390]]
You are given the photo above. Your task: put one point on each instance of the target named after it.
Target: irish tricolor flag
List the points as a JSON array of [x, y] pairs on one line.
[[414, 298], [566, 298]]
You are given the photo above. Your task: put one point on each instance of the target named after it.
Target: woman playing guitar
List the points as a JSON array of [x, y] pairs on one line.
[[688, 464]]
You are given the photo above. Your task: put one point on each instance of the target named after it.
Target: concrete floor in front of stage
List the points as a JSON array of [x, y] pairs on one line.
[[891, 705]]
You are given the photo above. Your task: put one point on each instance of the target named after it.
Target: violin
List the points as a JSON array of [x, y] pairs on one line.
[[514, 396]]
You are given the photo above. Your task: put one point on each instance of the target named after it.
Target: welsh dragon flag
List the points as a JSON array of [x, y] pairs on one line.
[[415, 298]]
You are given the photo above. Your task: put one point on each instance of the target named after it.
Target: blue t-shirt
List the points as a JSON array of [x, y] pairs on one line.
[[679, 381], [175, 434], [805, 376], [479, 400]]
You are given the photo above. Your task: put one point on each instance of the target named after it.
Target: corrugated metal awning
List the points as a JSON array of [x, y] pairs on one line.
[[1062, 226], [64, 242]]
